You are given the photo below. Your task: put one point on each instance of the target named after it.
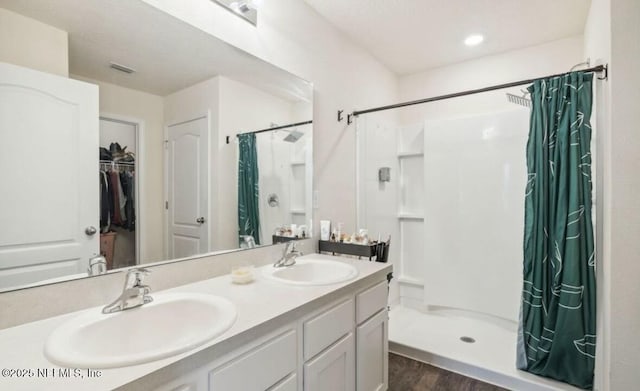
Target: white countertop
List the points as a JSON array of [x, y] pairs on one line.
[[21, 347]]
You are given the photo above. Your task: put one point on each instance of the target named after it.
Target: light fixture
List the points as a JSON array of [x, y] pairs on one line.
[[246, 9], [473, 40]]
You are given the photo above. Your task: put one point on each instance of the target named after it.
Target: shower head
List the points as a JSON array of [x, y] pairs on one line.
[[293, 136], [519, 100]]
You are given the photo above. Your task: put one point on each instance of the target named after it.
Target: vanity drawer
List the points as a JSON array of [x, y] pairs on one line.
[[323, 330], [259, 369], [371, 301]]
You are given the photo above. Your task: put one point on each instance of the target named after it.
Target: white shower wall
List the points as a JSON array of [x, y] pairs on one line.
[[284, 172], [475, 168]]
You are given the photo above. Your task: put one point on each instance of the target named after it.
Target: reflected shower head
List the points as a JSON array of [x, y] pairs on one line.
[[519, 100], [293, 136]]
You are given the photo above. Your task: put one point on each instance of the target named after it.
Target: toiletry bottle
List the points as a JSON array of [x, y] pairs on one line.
[[325, 230]]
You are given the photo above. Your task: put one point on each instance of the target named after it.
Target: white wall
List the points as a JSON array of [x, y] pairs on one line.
[[148, 108], [623, 228], [475, 177], [597, 46], [33, 44], [293, 36], [274, 162], [117, 132], [199, 100], [526, 63], [234, 107], [382, 202], [242, 108]]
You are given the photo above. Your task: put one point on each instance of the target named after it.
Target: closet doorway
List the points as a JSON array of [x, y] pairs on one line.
[[120, 191]]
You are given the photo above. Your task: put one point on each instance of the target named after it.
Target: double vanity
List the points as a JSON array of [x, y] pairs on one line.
[[319, 324]]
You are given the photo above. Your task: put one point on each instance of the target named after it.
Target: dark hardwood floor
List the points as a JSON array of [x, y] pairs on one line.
[[410, 375]]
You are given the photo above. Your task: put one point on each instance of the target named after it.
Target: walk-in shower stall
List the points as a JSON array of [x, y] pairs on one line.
[[455, 206]]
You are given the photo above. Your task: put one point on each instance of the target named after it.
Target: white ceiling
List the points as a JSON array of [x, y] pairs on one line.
[[409, 36], [167, 54]]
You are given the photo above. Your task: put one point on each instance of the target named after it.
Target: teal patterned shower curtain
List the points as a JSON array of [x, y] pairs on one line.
[[557, 330], [248, 188]]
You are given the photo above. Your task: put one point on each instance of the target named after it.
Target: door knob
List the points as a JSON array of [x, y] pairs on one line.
[[200, 220], [90, 230]]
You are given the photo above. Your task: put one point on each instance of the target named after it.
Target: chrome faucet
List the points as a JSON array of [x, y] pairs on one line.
[[134, 294], [288, 258], [247, 241], [97, 265]]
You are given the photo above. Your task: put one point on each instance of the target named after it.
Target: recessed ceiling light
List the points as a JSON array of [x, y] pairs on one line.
[[473, 40]]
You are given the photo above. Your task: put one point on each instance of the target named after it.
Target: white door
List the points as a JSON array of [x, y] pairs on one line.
[[188, 198], [49, 175]]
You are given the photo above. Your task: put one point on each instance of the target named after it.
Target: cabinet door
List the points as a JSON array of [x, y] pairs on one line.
[[333, 369], [373, 354], [259, 369]]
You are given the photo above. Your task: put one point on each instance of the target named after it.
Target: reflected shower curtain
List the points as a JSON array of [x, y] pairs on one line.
[[248, 188], [557, 331]]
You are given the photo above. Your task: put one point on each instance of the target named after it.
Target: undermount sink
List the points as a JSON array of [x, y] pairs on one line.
[[313, 269], [173, 323]]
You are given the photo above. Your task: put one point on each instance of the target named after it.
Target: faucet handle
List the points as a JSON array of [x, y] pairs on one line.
[[135, 277]]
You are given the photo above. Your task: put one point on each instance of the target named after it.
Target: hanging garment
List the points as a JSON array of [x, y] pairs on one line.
[[130, 207], [122, 198], [126, 180], [116, 218], [557, 330], [105, 219]]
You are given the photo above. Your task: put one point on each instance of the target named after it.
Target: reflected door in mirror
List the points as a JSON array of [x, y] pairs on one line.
[[49, 138], [188, 188]]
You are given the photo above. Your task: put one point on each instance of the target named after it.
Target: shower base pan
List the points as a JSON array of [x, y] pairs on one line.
[[464, 343]]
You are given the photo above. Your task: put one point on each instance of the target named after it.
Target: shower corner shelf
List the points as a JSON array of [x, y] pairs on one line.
[[410, 216], [410, 280], [402, 155]]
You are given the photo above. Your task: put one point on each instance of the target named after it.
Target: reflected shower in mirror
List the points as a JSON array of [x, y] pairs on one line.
[[119, 133], [274, 184]]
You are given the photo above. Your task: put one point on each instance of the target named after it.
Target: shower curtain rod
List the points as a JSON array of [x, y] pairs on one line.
[[596, 69], [274, 128]]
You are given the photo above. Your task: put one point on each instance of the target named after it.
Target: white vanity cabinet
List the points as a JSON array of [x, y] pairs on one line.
[[260, 369], [372, 347], [333, 369], [340, 346], [329, 349], [346, 349], [269, 362]]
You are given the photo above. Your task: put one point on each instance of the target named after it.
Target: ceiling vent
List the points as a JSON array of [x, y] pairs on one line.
[[121, 68]]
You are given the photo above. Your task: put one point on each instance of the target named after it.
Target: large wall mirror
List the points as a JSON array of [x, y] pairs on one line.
[[131, 135]]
